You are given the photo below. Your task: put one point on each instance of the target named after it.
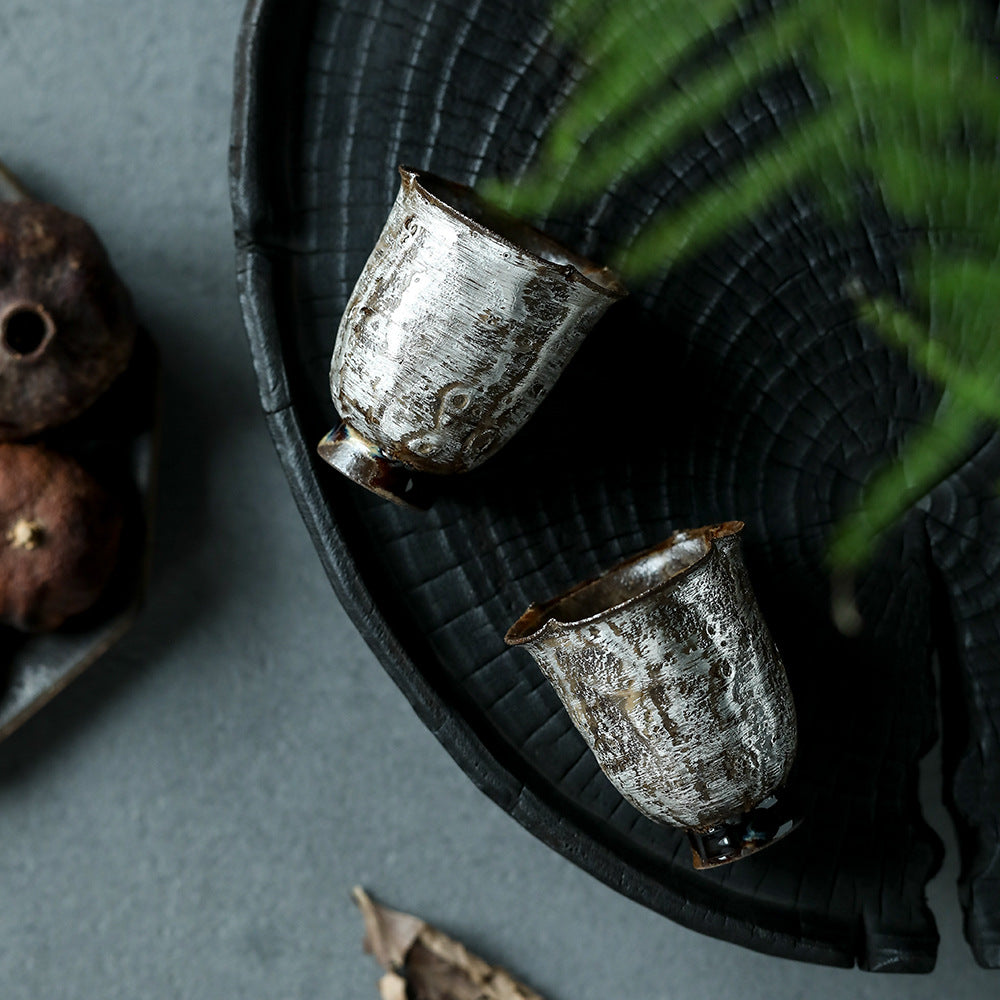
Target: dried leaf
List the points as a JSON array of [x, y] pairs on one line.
[[392, 986], [422, 963], [389, 934]]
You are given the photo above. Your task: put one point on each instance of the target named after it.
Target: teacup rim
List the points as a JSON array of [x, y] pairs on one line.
[[536, 621], [614, 289]]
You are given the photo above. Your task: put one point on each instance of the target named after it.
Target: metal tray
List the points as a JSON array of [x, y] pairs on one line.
[[738, 386]]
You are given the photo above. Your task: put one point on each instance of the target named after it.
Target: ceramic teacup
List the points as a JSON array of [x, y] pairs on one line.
[[670, 674], [461, 322]]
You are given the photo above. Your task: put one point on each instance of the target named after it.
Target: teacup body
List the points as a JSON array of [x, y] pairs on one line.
[[458, 327], [669, 672]]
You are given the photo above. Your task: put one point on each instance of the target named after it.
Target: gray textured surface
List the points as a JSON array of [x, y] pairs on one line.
[[187, 820]]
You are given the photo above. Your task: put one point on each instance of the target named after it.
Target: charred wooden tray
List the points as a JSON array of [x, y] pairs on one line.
[[739, 386]]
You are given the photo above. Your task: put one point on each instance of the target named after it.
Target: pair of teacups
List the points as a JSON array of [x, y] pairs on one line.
[[460, 324]]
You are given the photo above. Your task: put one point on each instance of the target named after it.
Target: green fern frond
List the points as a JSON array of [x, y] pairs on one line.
[[960, 195], [570, 174], [977, 389], [632, 57], [758, 183], [929, 455], [961, 298], [576, 19], [913, 103]]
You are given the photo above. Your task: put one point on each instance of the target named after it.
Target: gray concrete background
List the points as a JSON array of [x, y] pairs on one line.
[[187, 820]]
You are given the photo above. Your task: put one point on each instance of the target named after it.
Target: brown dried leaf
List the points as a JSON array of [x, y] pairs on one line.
[[422, 963], [392, 986], [389, 934]]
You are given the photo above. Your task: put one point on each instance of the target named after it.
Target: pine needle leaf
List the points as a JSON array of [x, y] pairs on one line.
[[936, 72]]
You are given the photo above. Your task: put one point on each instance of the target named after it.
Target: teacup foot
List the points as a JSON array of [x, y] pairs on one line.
[[364, 463], [764, 825]]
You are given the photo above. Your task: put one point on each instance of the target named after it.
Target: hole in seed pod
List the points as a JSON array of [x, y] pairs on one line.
[[25, 330]]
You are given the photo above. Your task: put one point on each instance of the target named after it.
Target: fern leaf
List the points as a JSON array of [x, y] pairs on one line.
[[914, 103], [633, 55], [928, 456], [933, 73], [760, 182], [572, 19], [976, 390], [635, 145], [961, 296], [947, 193]]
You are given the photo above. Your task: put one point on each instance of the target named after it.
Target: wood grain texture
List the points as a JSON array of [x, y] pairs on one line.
[[738, 386]]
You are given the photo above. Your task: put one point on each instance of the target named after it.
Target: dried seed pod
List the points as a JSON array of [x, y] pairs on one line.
[[458, 327], [669, 672], [59, 535], [67, 326]]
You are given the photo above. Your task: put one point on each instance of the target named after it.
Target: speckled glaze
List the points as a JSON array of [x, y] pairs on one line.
[[669, 672], [458, 327]]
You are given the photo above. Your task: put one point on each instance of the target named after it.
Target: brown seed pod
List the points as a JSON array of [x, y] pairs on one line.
[[66, 322], [59, 535]]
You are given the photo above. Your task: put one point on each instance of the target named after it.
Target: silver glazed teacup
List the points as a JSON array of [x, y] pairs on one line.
[[461, 322], [670, 674]]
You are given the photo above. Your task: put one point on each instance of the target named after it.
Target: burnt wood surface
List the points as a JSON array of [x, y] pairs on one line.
[[737, 386]]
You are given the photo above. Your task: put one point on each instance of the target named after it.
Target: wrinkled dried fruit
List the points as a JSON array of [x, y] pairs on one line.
[[59, 534], [67, 326]]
